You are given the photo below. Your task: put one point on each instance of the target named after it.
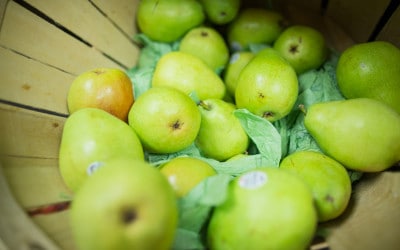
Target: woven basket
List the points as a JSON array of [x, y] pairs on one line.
[[45, 44]]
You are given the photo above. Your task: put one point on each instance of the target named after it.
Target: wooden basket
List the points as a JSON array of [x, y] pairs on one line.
[[44, 45]]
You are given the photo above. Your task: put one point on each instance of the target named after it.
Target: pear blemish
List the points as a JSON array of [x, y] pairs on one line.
[[329, 198], [99, 71], [268, 114]]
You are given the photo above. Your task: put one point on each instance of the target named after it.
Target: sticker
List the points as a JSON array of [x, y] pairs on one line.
[[253, 180], [235, 56], [93, 167], [236, 46]]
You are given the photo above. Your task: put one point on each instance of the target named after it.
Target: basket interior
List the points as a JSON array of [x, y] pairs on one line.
[[44, 45]]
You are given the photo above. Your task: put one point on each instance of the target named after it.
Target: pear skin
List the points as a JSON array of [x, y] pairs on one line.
[[104, 88], [185, 173], [207, 44], [221, 11], [90, 138], [254, 26], [188, 74], [371, 70], [303, 46], [267, 86], [237, 62], [328, 179], [167, 21], [266, 208], [165, 120], [221, 135], [126, 204], [363, 134]]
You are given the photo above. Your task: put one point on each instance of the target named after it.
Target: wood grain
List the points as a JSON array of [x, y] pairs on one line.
[[26, 133], [122, 13], [90, 25], [17, 230], [3, 5], [391, 31], [38, 60], [32, 83], [28, 34], [311, 6], [35, 182], [372, 220], [357, 18], [57, 227]]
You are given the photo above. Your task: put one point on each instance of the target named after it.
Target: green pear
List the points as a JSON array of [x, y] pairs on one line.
[[363, 134], [267, 86], [167, 21], [254, 26], [91, 137], [221, 134], [237, 62], [188, 73], [303, 46], [266, 208], [328, 179], [371, 70], [126, 204], [238, 156], [221, 11], [165, 120], [208, 45], [184, 173]]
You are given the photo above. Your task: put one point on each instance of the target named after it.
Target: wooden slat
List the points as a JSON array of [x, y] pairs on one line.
[[32, 83], [35, 182], [121, 12], [313, 6], [357, 17], [3, 5], [34, 37], [17, 230], [89, 24], [335, 36], [56, 226], [372, 220], [3, 245], [298, 14], [391, 31], [28, 133]]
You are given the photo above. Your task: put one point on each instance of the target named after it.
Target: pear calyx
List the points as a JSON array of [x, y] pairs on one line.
[[128, 216]]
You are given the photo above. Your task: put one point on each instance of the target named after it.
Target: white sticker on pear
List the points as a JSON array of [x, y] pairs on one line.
[[235, 56], [253, 180], [236, 46], [93, 167]]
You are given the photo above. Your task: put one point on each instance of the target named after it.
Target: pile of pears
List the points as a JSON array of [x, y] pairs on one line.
[[122, 201]]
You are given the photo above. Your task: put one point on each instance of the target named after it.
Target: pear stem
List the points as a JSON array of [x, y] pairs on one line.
[[302, 109], [205, 105]]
